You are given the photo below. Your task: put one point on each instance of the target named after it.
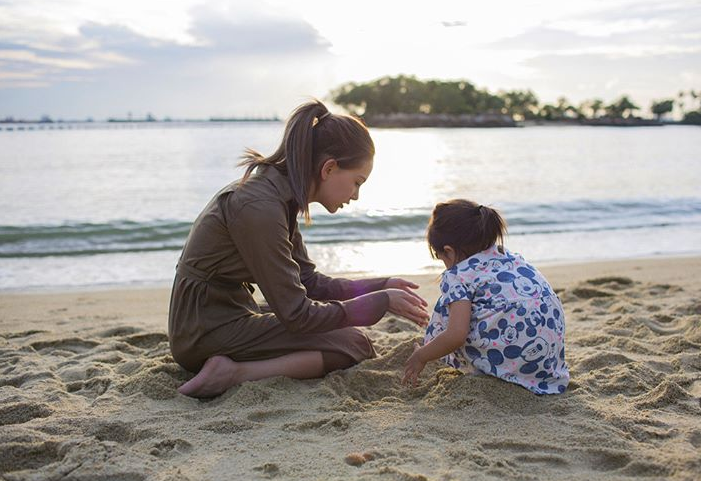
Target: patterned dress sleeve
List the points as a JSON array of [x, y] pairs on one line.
[[456, 286]]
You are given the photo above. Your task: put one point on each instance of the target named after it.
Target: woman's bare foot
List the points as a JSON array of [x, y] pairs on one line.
[[218, 374]]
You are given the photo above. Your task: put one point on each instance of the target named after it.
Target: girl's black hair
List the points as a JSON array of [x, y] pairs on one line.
[[465, 226]]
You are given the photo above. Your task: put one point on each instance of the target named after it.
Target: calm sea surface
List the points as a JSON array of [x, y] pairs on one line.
[[112, 205]]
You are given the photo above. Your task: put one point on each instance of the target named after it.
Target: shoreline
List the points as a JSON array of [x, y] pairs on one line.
[[148, 305], [595, 264]]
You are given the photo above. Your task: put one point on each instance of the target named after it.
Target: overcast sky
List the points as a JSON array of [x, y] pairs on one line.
[[199, 58]]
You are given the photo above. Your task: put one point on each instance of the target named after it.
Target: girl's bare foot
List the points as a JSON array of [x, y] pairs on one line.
[[218, 374]]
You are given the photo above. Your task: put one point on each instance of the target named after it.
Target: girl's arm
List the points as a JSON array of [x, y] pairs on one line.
[[448, 341]]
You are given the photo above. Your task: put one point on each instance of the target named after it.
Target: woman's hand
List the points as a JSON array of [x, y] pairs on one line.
[[406, 286], [409, 305], [413, 367]]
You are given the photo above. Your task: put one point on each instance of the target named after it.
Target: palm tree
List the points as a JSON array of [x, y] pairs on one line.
[[623, 107]]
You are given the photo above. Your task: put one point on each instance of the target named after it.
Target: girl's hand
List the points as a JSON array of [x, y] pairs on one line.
[[413, 367], [406, 286], [407, 305]]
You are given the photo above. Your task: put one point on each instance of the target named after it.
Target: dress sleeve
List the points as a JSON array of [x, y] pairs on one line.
[[322, 287], [455, 286], [260, 232]]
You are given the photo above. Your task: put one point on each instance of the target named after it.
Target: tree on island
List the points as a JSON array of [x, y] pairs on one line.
[[661, 107], [621, 108], [521, 104], [590, 108], [692, 117], [407, 95]]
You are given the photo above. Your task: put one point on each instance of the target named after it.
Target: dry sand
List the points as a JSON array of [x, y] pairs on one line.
[[87, 392]]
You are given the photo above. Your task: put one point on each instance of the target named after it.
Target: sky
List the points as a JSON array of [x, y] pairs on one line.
[[74, 59]]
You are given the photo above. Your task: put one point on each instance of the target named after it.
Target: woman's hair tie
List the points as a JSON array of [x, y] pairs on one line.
[[320, 118]]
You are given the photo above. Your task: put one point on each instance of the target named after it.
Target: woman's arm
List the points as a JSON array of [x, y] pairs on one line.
[[260, 233], [321, 287], [443, 344]]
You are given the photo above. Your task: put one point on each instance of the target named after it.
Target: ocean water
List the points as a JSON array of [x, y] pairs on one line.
[[103, 205]]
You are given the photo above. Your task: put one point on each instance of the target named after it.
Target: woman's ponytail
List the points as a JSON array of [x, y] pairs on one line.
[[299, 149], [313, 135]]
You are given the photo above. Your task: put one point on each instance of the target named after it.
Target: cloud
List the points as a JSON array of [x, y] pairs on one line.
[[541, 38], [606, 76], [256, 34], [234, 62]]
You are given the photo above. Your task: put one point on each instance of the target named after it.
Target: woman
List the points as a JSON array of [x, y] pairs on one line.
[[248, 233]]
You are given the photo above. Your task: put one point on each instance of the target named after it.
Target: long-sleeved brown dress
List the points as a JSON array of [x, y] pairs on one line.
[[248, 234]]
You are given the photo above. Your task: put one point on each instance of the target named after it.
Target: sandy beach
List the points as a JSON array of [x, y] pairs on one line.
[[88, 392]]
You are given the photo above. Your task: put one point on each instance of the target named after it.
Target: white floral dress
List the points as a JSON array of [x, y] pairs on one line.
[[517, 328]]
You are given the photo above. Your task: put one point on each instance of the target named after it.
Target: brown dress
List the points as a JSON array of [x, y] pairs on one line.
[[248, 234]]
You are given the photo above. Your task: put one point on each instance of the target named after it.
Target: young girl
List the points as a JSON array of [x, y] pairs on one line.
[[496, 311]]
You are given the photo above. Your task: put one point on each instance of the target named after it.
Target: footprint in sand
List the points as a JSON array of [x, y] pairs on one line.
[[551, 460], [146, 341], [689, 309], [664, 394], [606, 459], [22, 412], [169, 448], [590, 293], [121, 331], [25, 378], [17, 335], [73, 345], [556, 457], [599, 361], [338, 423], [274, 414], [614, 282], [269, 469], [118, 432], [25, 453], [227, 426]]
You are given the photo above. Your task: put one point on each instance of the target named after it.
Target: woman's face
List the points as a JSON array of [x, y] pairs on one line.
[[339, 186]]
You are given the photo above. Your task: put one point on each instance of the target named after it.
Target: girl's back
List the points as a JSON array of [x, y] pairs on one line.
[[517, 325]]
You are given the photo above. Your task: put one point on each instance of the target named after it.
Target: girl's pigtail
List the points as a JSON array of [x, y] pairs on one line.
[[493, 226]]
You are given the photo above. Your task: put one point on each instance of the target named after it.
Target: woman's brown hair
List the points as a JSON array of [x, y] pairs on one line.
[[465, 226], [312, 136]]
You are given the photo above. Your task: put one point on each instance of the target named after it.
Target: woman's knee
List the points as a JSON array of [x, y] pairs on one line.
[[334, 361], [364, 348]]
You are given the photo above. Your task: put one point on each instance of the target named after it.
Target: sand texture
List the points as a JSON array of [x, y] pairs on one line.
[[88, 392]]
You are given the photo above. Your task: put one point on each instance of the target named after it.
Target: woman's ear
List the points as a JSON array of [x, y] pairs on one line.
[[328, 167]]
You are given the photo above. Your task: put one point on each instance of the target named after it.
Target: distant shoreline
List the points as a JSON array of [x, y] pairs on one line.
[[400, 120], [394, 121]]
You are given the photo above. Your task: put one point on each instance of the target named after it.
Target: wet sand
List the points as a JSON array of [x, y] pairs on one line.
[[88, 392]]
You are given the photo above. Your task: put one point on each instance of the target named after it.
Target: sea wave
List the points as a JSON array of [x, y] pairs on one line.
[[85, 238]]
